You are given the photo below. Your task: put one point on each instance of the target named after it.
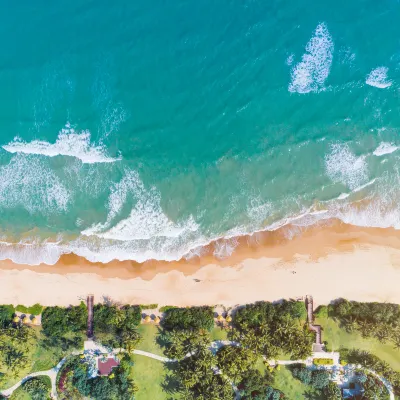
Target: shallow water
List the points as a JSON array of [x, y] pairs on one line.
[[138, 131]]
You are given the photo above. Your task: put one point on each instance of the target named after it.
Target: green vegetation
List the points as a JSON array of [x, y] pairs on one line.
[[217, 333], [368, 360], [150, 375], [38, 388], [337, 337], [149, 339], [75, 384], [268, 328], [255, 385], [6, 313], [152, 306], [290, 386], [36, 309], [378, 320], [189, 318], [117, 326], [166, 308], [323, 361]]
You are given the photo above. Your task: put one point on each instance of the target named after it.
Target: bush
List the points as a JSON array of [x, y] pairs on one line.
[[189, 318], [149, 306], [322, 312], [36, 309], [166, 308], [6, 314], [38, 388], [323, 361]]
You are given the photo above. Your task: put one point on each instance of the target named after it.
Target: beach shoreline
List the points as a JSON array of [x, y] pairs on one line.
[[329, 262]]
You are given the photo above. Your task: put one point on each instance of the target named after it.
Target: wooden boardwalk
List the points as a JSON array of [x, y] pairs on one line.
[[90, 303], [318, 346]]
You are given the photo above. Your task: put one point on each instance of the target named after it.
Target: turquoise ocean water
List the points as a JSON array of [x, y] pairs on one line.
[[137, 130]]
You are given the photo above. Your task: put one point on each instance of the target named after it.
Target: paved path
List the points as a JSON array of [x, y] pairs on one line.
[[51, 373]]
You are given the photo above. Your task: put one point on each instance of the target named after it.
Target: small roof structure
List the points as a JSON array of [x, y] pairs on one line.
[[34, 320], [157, 320], [105, 367], [220, 318], [147, 318], [26, 320], [228, 318], [16, 319]]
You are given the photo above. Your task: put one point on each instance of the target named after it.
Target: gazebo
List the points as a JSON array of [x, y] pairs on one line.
[[157, 320], [147, 318], [34, 321], [26, 320], [228, 318], [16, 319], [220, 318]]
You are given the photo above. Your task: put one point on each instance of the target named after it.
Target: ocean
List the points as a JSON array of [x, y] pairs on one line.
[[139, 131]]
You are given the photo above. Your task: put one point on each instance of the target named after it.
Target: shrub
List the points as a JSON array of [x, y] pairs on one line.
[[38, 388], [322, 312], [6, 313], [36, 309], [323, 361], [166, 308], [149, 306], [189, 318]]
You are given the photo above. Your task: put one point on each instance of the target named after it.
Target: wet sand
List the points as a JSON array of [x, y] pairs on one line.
[[329, 261]]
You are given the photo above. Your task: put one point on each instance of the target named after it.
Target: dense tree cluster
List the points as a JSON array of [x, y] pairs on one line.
[[57, 321], [368, 360], [38, 388], [255, 385], [6, 314], [379, 320], [118, 323], [64, 328], [117, 386], [267, 328], [318, 379], [193, 318]]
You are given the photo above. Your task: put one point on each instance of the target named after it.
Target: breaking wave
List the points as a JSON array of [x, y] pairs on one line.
[[310, 73], [378, 78], [385, 148], [69, 143]]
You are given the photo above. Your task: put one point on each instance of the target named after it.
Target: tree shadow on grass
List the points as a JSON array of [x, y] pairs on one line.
[[171, 385]]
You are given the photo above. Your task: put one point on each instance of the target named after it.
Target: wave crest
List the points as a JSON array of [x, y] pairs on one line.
[[69, 143]]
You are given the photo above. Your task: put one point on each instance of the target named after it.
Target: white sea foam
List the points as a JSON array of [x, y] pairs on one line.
[[310, 74], [28, 182], [69, 143], [384, 148], [344, 167], [378, 78], [146, 219]]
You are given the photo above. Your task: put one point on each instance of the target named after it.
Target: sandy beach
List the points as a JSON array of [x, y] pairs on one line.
[[328, 262]]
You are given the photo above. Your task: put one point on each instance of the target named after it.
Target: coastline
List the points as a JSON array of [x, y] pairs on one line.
[[330, 261]]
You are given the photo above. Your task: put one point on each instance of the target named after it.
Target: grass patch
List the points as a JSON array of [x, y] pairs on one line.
[[217, 333], [20, 394], [36, 309], [166, 308], [338, 337], [149, 333], [290, 386], [149, 375]]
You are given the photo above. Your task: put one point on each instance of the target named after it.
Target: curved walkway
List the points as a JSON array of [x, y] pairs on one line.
[[51, 373]]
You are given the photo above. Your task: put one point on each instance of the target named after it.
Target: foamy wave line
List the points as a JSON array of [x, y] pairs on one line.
[[69, 143], [378, 78]]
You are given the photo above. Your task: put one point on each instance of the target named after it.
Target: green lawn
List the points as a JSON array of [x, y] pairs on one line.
[[20, 394], [291, 387], [218, 334], [148, 343], [338, 337], [149, 375]]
